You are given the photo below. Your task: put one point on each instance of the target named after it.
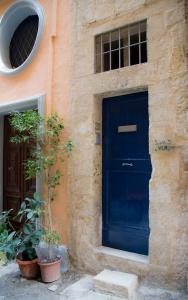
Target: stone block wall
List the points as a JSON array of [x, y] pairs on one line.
[[165, 78]]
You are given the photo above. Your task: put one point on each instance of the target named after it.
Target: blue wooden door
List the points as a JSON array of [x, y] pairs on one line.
[[126, 173]]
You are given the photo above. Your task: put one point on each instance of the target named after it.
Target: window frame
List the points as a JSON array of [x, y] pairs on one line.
[[10, 20], [120, 48]]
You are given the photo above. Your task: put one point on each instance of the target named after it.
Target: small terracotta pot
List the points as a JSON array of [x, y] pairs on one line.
[[29, 269], [50, 271]]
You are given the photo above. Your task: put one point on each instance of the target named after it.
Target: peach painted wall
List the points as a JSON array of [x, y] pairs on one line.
[[47, 74]]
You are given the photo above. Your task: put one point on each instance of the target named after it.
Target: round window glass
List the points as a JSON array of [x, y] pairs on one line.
[[23, 41]]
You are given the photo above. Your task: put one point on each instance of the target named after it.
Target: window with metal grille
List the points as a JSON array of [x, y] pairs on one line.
[[23, 40], [122, 47]]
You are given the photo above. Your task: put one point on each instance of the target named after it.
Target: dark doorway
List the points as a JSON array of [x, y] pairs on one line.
[[15, 187], [126, 173]]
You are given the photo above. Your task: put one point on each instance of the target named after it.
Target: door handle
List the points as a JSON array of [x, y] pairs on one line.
[[127, 164]]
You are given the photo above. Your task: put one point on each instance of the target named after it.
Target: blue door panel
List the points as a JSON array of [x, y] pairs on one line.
[[128, 205], [133, 238], [126, 173]]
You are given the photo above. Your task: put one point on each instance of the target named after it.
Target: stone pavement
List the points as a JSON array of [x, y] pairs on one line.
[[72, 286], [83, 290]]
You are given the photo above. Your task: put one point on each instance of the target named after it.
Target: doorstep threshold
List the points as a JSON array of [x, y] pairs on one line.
[[139, 258]]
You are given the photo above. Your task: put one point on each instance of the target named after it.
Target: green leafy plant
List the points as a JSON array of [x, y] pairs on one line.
[[51, 240], [4, 220], [51, 237], [48, 153], [3, 259], [21, 243], [8, 245], [30, 212]]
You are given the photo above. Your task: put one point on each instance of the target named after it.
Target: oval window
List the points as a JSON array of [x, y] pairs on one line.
[[21, 28], [23, 41]]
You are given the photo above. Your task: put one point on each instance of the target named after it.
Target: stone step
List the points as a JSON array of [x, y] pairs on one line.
[[118, 283], [83, 290]]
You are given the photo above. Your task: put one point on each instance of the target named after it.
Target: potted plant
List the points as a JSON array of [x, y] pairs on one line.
[[44, 161], [30, 235], [49, 257], [21, 244]]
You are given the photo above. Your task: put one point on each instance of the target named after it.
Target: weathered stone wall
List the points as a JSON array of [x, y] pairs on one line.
[[165, 78]]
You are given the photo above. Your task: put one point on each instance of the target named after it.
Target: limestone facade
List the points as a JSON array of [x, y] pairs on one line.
[[165, 77]]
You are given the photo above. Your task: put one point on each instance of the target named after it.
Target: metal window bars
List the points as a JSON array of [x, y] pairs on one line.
[[121, 47], [23, 41]]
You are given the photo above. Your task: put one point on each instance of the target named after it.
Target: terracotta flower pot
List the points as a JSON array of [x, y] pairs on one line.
[[50, 271], [29, 269]]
